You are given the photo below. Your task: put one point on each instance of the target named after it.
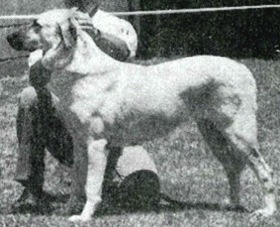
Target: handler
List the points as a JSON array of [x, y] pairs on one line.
[[130, 178]]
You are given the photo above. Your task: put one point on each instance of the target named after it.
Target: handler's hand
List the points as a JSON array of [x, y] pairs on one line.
[[85, 21]]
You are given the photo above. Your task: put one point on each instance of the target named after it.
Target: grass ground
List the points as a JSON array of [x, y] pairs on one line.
[[188, 171]]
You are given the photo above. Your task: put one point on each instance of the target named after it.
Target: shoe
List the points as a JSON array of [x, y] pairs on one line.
[[33, 203]]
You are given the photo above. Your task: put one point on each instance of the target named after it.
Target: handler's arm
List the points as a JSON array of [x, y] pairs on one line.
[[110, 44]]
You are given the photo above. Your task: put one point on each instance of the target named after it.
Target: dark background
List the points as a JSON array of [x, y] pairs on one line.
[[240, 34], [247, 33]]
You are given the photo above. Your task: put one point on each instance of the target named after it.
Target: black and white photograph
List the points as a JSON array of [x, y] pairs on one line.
[[139, 113]]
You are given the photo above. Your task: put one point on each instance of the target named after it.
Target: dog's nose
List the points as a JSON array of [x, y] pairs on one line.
[[15, 41]]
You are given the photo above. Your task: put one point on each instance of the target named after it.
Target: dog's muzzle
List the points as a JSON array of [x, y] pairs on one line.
[[17, 41]]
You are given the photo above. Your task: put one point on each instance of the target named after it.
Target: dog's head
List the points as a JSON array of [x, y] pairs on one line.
[[55, 32]]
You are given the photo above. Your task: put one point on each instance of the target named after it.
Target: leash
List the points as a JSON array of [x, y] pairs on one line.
[[159, 12]]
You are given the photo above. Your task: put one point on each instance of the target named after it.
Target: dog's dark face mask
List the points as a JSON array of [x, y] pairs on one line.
[[26, 38], [55, 32]]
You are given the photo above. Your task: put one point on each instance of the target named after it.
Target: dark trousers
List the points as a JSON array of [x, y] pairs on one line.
[[40, 126]]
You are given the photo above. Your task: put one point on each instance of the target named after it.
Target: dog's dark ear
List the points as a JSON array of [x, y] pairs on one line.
[[68, 33]]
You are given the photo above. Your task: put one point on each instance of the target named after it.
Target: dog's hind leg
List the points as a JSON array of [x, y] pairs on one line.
[[242, 134], [233, 165], [95, 176], [265, 176]]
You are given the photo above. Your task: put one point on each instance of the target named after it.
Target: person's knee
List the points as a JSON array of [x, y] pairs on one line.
[[27, 98], [140, 190]]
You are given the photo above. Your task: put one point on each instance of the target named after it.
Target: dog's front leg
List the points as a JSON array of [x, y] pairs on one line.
[[96, 169]]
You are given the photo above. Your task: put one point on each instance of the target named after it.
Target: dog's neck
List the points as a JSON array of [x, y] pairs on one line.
[[84, 58], [57, 57], [89, 59]]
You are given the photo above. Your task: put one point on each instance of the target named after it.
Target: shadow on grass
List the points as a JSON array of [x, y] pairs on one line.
[[174, 205], [56, 204], [48, 205], [170, 205]]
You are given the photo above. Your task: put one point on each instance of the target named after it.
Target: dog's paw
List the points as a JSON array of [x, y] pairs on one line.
[[229, 206], [260, 214], [79, 218]]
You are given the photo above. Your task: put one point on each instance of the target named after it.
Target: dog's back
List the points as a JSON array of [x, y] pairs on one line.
[[134, 100]]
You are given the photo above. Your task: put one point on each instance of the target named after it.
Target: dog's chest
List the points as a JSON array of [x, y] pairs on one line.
[[61, 84]]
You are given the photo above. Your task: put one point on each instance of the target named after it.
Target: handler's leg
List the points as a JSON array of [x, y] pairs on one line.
[[139, 191], [59, 140], [32, 131], [35, 133], [139, 186], [32, 141]]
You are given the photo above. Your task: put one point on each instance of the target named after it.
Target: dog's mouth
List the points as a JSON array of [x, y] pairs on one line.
[[17, 42]]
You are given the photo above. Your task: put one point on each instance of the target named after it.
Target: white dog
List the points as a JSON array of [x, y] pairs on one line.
[[126, 104]]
